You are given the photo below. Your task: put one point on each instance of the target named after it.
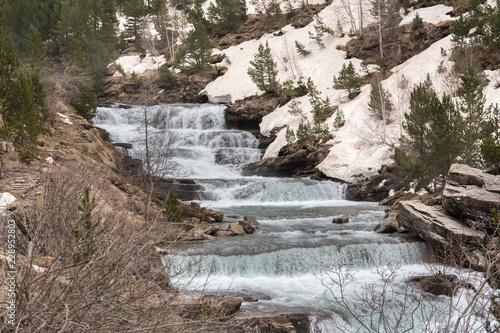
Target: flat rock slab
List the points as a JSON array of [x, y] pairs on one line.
[[432, 224], [471, 194]]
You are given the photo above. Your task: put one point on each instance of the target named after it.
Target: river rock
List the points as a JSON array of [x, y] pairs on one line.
[[267, 323], [223, 233], [374, 188], [236, 229], [247, 227], [389, 224], [340, 220], [470, 194], [253, 222], [439, 284], [298, 159], [434, 225], [201, 305]]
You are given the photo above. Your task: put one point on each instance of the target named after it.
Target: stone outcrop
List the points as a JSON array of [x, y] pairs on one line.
[[463, 224], [471, 194], [298, 160], [434, 225], [374, 188], [389, 224]]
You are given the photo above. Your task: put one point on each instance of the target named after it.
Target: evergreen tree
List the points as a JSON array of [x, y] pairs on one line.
[[460, 31], [135, 12], [380, 100], [198, 48], [263, 70], [229, 14], [348, 79], [22, 99], [472, 105], [433, 137], [490, 145], [171, 210], [34, 50]]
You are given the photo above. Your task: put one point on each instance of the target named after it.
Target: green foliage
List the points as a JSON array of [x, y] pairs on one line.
[[295, 110], [490, 146], [433, 136], [380, 100], [472, 106], [263, 70], [22, 99], [21, 14], [460, 31], [229, 14], [166, 76], [417, 23], [301, 49], [34, 50], [290, 136], [135, 12], [304, 131], [320, 29], [320, 106], [195, 55], [348, 79], [171, 210], [339, 120], [87, 226], [86, 106]]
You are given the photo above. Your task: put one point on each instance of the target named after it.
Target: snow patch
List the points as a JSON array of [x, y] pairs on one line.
[[65, 118], [433, 14], [134, 63], [6, 199]]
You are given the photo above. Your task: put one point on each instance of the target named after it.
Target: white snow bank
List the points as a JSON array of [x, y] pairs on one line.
[[134, 63], [492, 90], [65, 118], [363, 144], [320, 65], [433, 14], [6, 199]]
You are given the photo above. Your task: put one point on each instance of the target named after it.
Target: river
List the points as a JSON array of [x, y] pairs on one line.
[[282, 263]]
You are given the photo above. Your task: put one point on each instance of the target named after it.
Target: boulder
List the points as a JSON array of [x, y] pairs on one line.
[[470, 195], [253, 222], [267, 323], [236, 229], [389, 224], [441, 231], [374, 188], [223, 233], [247, 227], [439, 284], [340, 220]]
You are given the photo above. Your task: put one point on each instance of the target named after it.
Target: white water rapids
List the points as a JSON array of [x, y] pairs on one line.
[[280, 264]]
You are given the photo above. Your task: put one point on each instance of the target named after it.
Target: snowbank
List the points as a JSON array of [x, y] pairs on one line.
[[434, 14], [134, 63], [6, 199]]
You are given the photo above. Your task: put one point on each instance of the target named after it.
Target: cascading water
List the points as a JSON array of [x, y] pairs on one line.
[[296, 242]]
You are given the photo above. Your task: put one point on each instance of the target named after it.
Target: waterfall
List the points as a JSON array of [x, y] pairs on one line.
[[297, 241], [186, 141]]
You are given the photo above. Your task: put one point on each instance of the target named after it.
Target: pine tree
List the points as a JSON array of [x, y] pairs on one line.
[[263, 70], [135, 12], [433, 137], [22, 99], [460, 31], [472, 105], [348, 79], [171, 210], [229, 14], [490, 145], [198, 48], [34, 50], [380, 100]]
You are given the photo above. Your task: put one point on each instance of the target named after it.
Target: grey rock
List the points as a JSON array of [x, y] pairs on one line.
[[389, 224], [470, 195], [440, 230]]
